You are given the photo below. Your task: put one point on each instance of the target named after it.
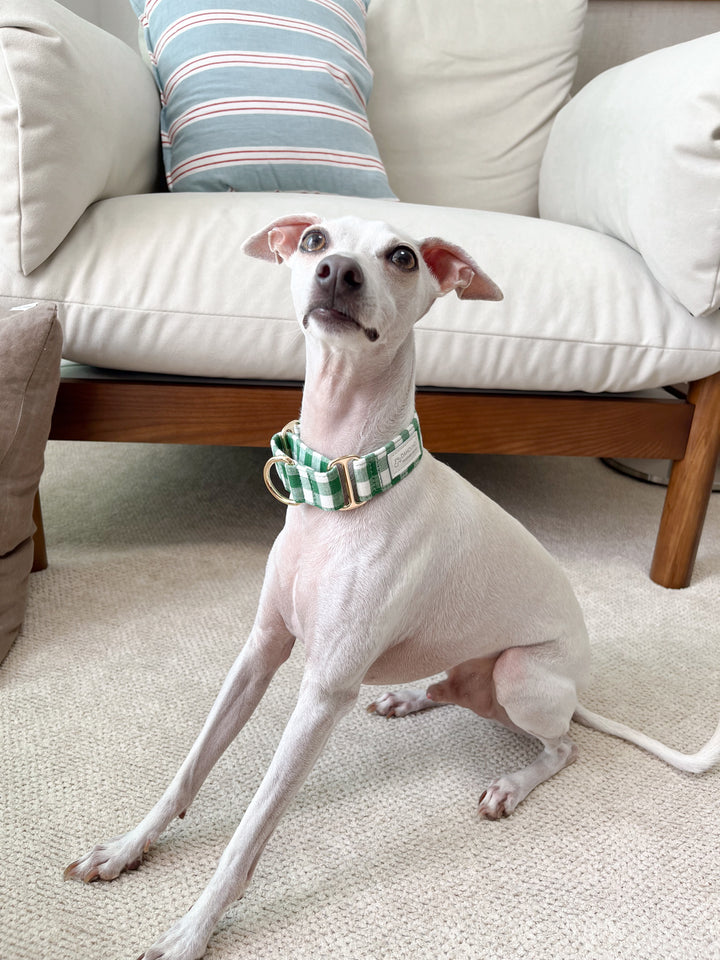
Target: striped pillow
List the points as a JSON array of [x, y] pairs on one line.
[[267, 95]]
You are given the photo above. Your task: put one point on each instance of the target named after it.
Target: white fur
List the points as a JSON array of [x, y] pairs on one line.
[[424, 578]]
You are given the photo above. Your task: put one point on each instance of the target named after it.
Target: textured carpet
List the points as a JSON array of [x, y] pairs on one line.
[[157, 557]]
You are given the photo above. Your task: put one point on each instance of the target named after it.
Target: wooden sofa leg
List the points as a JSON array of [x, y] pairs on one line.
[[40, 560], [689, 489]]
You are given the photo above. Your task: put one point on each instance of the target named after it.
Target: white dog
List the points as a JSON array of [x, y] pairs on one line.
[[394, 568]]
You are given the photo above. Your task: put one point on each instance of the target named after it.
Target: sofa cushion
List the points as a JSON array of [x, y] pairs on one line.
[[30, 347], [636, 154], [264, 96], [54, 64], [157, 283], [465, 93]]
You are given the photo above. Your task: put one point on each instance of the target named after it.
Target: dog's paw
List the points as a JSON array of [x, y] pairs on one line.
[[400, 704], [183, 941], [499, 800], [106, 861]]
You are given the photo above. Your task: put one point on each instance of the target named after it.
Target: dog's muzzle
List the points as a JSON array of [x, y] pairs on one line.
[[339, 283]]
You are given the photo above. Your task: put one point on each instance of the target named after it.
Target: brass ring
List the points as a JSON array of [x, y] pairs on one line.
[[271, 487], [291, 427]]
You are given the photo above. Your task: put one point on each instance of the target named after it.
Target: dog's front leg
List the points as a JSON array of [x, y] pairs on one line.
[[268, 646], [320, 705]]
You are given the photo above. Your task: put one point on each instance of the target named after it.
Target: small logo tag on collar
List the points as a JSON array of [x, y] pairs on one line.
[[401, 458]]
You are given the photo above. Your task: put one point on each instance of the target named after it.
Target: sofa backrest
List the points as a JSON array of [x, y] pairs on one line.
[[465, 92], [464, 95], [620, 30]]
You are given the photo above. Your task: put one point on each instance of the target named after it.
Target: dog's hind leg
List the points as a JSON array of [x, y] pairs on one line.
[[531, 690], [504, 794], [402, 703], [535, 689]]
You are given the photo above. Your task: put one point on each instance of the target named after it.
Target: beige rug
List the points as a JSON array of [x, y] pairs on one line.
[[157, 557]]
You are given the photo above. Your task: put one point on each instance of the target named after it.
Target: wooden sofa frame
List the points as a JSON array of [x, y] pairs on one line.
[[234, 413]]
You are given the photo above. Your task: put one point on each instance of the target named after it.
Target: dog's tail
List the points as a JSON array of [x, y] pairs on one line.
[[698, 762]]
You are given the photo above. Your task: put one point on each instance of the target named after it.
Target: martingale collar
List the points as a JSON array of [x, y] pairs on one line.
[[346, 482]]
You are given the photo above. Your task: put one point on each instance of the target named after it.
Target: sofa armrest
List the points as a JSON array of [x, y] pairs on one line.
[[79, 121], [636, 155]]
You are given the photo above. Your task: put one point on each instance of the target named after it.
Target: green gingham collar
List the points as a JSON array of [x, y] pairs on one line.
[[343, 483]]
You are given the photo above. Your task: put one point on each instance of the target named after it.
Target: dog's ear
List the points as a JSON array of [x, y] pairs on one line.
[[279, 239], [456, 270]]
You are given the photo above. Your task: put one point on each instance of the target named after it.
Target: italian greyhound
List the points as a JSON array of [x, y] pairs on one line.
[[390, 567]]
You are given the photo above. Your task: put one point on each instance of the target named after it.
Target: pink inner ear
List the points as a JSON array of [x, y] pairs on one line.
[[283, 241], [278, 240], [449, 271], [455, 270]]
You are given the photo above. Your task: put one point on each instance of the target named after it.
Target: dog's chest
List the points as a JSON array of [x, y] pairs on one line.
[[340, 575]]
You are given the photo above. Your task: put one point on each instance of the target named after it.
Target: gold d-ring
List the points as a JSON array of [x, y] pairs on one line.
[[270, 485]]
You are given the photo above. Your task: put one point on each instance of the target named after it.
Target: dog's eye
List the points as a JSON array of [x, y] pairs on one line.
[[313, 242], [404, 258]]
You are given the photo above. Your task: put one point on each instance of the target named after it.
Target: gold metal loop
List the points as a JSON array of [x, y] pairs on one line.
[[270, 485], [291, 427], [342, 463]]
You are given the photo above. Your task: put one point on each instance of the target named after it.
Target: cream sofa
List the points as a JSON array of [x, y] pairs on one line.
[[170, 335]]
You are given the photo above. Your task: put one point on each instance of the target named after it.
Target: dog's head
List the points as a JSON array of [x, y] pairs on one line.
[[364, 279]]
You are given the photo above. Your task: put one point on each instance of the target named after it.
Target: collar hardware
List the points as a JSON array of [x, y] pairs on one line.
[[271, 486], [350, 502]]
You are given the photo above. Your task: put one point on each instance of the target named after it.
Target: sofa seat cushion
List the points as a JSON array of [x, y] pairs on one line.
[[157, 283]]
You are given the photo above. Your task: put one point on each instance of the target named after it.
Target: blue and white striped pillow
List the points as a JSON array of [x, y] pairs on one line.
[[267, 95]]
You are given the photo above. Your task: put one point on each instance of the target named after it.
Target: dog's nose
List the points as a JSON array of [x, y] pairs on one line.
[[339, 274]]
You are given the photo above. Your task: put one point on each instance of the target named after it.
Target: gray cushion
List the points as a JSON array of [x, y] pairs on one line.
[[30, 349]]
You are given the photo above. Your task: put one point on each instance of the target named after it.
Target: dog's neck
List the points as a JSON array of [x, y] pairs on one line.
[[353, 405]]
